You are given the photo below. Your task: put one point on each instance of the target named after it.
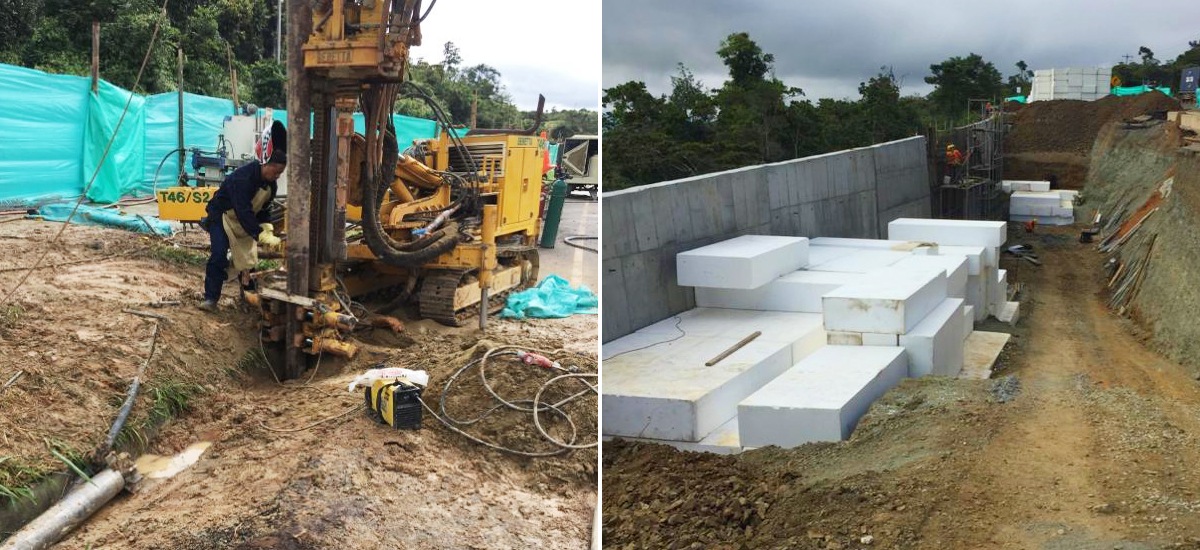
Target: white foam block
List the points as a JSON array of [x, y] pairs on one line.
[[723, 441], [948, 232], [749, 261], [998, 290], [991, 257], [843, 338], [904, 246], [877, 339], [954, 266], [799, 291], [821, 398], [968, 320], [973, 254], [1009, 312], [1043, 220], [977, 295], [666, 391], [935, 346], [1024, 185], [818, 255], [890, 301], [861, 260]]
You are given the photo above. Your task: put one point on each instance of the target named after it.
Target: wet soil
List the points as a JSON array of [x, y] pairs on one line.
[[292, 465]]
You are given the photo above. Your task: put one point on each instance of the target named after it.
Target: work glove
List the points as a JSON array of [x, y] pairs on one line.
[[269, 228], [266, 238]]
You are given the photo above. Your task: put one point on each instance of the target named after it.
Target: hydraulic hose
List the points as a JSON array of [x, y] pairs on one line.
[[413, 253]]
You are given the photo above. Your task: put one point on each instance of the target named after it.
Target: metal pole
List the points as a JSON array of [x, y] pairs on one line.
[[179, 84], [299, 200], [278, 29]]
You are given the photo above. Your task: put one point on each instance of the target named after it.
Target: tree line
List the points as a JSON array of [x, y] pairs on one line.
[[56, 36], [755, 118]]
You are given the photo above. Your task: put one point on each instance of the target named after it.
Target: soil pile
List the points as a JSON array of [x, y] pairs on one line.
[[1053, 139], [1071, 126], [815, 496]]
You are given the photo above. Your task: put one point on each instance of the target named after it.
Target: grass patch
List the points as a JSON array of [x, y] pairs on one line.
[[253, 359], [179, 256], [67, 454], [17, 480], [168, 400], [11, 314]]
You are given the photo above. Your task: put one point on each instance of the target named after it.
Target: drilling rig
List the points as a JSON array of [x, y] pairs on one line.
[[450, 222]]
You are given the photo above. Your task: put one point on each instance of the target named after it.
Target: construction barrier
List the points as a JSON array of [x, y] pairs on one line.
[[54, 133]]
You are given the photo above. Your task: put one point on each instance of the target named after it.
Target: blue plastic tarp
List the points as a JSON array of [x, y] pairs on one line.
[[41, 135], [91, 215], [203, 118], [53, 132], [553, 298], [120, 174], [1135, 90]]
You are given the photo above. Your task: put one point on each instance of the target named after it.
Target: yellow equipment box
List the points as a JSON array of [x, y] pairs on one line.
[[395, 402], [185, 204]]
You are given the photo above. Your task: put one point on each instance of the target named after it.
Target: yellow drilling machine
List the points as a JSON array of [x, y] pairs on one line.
[[451, 223]]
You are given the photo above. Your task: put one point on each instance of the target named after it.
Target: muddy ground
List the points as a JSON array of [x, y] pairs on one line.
[[274, 477], [1092, 445]]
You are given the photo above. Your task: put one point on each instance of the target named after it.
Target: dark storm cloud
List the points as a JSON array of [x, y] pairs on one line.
[[827, 48]]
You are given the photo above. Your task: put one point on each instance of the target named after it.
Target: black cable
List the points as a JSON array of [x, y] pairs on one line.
[[421, 19], [413, 253], [160, 165], [571, 238], [534, 407], [445, 120], [678, 321]]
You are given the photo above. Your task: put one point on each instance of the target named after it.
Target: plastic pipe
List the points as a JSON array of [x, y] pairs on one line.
[[56, 522]]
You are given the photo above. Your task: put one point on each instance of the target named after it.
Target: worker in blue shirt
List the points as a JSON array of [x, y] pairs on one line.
[[239, 217]]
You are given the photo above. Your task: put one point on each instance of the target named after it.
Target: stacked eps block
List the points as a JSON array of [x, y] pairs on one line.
[[657, 383], [1045, 207], [745, 262], [821, 398], [1081, 83]]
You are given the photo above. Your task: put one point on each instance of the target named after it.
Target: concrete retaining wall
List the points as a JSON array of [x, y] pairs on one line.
[[852, 193]]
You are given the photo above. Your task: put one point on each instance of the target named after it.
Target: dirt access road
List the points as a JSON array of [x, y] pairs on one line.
[[1097, 450]]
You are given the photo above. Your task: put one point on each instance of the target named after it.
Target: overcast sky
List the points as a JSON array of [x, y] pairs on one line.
[[552, 48], [828, 47]]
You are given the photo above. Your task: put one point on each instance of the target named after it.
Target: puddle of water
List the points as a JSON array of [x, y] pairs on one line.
[[162, 467]]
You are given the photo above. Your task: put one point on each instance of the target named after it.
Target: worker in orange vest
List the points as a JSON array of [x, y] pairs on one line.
[[954, 159]]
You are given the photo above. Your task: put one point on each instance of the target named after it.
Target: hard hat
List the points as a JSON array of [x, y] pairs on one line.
[[950, 146]]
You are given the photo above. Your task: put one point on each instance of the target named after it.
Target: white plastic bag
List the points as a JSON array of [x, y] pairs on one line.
[[418, 377]]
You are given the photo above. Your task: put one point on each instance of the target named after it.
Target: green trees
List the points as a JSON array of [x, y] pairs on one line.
[[455, 87], [959, 79], [55, 36], [1151, 70], [752, 118], [1020, 83]]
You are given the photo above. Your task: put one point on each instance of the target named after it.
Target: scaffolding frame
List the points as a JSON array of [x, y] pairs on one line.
[[974, 193]]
